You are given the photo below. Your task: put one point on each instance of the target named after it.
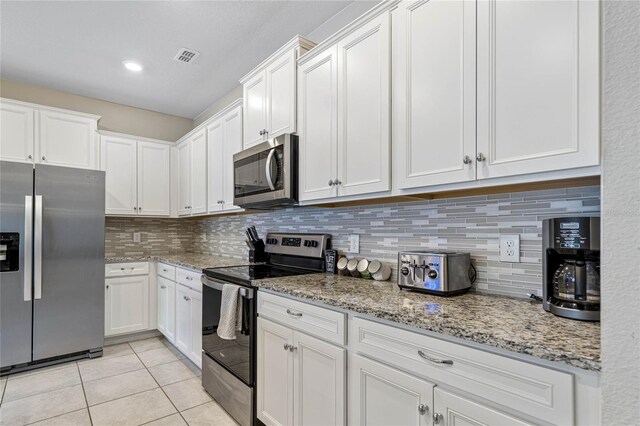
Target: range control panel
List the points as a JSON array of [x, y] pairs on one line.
[[308, 245]]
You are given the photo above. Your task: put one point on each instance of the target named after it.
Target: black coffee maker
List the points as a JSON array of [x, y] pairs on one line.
[[571, 267]]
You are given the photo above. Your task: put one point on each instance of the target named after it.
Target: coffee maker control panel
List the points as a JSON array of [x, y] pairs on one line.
[[572, 233]]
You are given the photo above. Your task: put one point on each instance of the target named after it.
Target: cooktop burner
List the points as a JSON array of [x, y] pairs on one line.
[[243, 275]]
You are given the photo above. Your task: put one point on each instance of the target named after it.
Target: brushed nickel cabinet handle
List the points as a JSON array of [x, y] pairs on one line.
[[294, 314], [435, 360]]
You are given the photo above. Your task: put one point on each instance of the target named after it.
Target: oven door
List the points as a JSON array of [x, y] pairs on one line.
[[237, 356], [266, 175]]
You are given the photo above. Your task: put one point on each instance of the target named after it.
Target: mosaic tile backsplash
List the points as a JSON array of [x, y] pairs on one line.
[[471, 223]]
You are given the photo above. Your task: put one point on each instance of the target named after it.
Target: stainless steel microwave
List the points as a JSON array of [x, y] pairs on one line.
[[266, 175]]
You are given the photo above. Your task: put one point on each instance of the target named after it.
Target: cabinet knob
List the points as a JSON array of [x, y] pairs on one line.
[[480, 157], [44, 158], [466, 160], [163, 287], [292, 348], [423, 409], [330, 182], [437, 418], [107, 287], [122, 269], [29, 157], [337, 182], [286, 346]]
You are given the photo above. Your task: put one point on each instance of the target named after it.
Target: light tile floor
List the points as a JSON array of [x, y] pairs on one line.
[[143, 382]]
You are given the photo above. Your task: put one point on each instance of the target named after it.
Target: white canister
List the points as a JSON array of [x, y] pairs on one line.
[[352, 267], [342, 266], [363, 268], [379, 271]]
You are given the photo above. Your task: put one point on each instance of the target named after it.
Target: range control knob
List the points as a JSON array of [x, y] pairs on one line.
[[404, 270], [314, 243], [272, 241], [307, 243], [433, 274]]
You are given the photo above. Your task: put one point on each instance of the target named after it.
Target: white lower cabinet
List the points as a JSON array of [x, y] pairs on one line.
[[453, 410], [381, 395], [126, 304], [301, 379], [167, 308], [189, 323]]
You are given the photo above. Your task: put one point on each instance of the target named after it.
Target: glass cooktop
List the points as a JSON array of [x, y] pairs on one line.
[[243, 275]]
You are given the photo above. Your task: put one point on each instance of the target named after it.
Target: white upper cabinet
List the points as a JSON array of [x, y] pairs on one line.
[[33, 133], [434, 100], [317, 125], [16, 132], [224, 136], [154, 162], [269, 93], [538, 86], [67, 140], [137, 176], [119, 161], [184, 178], [198, 172], [345, 101], [254, 92], [364, 144]]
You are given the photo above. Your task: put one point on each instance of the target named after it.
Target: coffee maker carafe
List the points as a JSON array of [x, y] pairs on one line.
[[571, 267]]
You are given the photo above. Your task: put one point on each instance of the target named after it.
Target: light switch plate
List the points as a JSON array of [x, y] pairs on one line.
[[136, 237], [510, 248], [354, 243]]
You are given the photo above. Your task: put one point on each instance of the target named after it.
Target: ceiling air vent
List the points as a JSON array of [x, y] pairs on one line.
[[186, 55]]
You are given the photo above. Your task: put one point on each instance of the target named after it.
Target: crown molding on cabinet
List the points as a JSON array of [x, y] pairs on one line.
[[50, 108], [294, 42], [348, 29], [130, 136], [232, 105]]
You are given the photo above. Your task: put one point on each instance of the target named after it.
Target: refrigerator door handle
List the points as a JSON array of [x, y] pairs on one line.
[[28, 245], [37, 250]]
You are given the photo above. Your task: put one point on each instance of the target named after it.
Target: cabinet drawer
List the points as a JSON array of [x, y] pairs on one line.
[[125, 269], [537, 391], [321, 322], [189, 278], [167, 271]]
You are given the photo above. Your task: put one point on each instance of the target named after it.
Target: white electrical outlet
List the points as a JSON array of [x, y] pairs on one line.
[[136, 237], [354, 243], [510, 248]]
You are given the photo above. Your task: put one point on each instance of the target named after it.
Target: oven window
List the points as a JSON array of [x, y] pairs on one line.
[[250, 176], [235, 355]]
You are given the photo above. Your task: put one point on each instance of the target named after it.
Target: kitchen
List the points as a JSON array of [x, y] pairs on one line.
[[396, 218]]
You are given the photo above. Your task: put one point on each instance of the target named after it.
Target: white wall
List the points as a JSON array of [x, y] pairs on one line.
[[621, 214]]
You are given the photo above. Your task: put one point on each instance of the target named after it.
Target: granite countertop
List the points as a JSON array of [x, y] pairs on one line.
[[195, 261], [517, 325]]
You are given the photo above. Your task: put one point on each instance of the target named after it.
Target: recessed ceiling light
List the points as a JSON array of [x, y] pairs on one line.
[[132, 66]]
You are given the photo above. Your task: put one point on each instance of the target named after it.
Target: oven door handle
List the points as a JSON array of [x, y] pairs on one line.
[[247, 293], [267, 169]]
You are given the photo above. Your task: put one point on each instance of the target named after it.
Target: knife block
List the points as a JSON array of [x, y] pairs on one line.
[[257, 254]]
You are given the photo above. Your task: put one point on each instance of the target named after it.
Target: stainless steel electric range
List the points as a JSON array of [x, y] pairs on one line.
[[229, 366]]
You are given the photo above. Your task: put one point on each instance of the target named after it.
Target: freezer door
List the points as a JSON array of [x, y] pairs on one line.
[[16, 190], [68, 271]]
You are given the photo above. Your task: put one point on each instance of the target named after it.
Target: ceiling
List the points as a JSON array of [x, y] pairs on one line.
[[79, 46]]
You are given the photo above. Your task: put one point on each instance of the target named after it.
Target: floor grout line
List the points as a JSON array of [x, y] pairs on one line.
[[59, 415], [4, 390], [86, 401]]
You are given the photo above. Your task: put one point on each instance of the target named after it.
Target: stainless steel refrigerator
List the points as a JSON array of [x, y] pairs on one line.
[[51, 264]]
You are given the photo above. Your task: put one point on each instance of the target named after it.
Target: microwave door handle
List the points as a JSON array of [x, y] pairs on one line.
[[267, 169]]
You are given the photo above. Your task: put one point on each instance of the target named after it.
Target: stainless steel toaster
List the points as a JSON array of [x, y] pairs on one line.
[[438, 272]]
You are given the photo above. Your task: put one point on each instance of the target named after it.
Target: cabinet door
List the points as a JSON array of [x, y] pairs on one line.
[[434, 92], [364, 82], [184, 327], [199, 173], [319, 382], [318, 129], [275, 374], [154, 173], [184, 178], [119, 158], [67, 140], [167, 308], [127, 304], [232, 144], [254, 95], [281, 95], [215, 166], [195, 353], [16, 132], [381, 395], [538, 86], [458, 411]]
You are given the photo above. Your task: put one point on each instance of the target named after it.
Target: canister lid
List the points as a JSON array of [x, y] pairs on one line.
[[374, 266], [363, 265], [342, 263], [352, 265]]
